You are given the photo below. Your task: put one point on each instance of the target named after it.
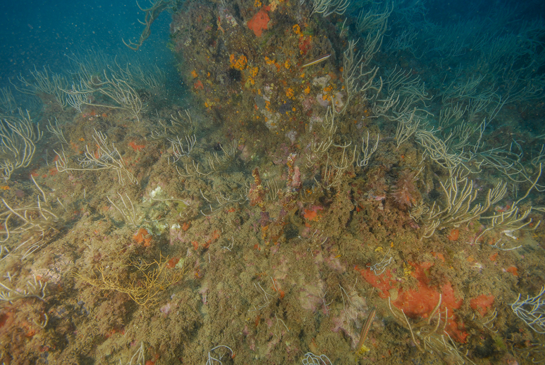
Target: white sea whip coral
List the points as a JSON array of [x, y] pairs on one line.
[[532, 311]]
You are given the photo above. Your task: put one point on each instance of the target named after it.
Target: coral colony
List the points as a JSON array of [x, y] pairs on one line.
[[338, 182]]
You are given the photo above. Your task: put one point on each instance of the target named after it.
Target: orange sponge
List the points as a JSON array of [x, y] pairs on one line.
[[259, 21]]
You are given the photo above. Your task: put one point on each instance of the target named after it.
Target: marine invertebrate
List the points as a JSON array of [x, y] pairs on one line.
[[104, 158], [432, 335], [531, 311], [405, 192], [361, 348], [116, 87], [144, 287], [211, 359], [34, 289], [355, 79], [407, 125], [177, 146], [328, 7], [312, 359], [152, 13], [126, 210], [36, 222], [257, 192], [143, 237], [18, 143], [136, 147], [366, 151], [238, 63], [259, 21], [460, 193], [420, 303], [321, 59], [454, 234], [482, 303]]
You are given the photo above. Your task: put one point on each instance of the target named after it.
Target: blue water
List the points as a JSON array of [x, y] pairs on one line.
[[40, 33]]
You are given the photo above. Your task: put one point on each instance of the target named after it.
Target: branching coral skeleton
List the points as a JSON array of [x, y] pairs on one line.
[[151, 14], [152, 278]]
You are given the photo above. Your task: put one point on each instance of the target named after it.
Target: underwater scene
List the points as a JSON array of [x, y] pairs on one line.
[[272, 182]]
